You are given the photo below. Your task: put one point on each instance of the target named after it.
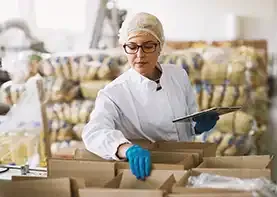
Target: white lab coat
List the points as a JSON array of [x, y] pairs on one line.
[[130, 108]]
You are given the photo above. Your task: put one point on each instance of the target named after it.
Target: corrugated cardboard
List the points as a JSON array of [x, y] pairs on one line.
[[196, 149], [160, 160], [197, 154], [95, 173], [209, 149], [84, 154], [144, 143], [42, 188], [180, 186], [237, 172], [156, 157], [250, 162], [164, 161], [178, 175], [97, 192], [156, 180], [126, 185], [27, 178], [75, 183], [172, 158], [237, 194]]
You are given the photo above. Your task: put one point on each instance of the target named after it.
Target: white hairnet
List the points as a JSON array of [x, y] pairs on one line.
[[142, 22]]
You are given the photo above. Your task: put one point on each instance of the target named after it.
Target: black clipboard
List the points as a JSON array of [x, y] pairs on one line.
[[218, 110]]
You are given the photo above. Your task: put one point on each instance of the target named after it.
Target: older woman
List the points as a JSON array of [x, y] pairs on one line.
[[143, 101]]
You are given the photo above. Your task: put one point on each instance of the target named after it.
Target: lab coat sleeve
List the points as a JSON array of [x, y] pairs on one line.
[[99, 135], [191, 99]]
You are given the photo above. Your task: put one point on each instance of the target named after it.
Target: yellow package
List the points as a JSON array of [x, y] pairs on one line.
[[74, 63], [218, 95], [86, 109], [214, 73], [226, 142], [207, 93]]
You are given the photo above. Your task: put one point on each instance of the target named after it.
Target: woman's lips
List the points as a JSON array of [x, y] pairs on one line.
[[141, 63]]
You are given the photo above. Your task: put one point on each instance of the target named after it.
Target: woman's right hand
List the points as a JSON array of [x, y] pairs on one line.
[[139, 160]]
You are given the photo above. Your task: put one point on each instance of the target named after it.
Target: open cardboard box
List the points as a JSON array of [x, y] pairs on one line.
[[125, 184], [181, 185], [163, 161], [160, 160], [95, 173], [60, 187], [250, 162], [190, 158]]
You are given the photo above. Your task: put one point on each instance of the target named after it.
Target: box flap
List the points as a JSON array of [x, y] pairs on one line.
[[42, 188], [251, 162], [235, 172], [27, 178], [121, 166], [103, 192], [197, 154], [164, 161], [180, 186], [115, 182], [84, 154], [144, 143], [236, 194], [173, 158], [154, 181], [209, 149], [95, 173]]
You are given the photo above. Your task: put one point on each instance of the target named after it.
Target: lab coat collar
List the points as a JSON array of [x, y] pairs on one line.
[[144, 81]]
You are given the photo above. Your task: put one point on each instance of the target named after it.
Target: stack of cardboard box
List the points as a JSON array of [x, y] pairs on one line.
[[88, 175]]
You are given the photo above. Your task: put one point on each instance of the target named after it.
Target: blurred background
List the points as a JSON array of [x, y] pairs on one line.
[[229, 49]]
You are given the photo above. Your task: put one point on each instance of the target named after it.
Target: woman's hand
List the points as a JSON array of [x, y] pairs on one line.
[[139, 159], [205, 122]]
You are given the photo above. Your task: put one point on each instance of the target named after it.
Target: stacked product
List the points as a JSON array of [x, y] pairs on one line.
[[14, 86], [71, 84], [229, 77]]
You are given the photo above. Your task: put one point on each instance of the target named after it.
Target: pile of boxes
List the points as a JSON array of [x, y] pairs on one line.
[[173, 164]]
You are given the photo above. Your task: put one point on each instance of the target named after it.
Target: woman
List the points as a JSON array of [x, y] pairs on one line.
[[143, 101]]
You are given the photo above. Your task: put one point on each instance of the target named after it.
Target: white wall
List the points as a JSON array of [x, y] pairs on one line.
[[205, 19], [182, 19]]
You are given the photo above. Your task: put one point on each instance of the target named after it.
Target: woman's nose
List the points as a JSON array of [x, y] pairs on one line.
[[140, 52]]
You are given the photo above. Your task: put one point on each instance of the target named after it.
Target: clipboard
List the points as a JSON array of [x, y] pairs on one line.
[[218, 110]]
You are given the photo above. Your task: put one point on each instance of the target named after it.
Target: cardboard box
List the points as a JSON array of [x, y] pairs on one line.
[[164, 161], [181, 185], [126, 185], [196, 149], [95, 174], [250, 162], [42, 188], [75, 183], [237, 172], [160, 160]]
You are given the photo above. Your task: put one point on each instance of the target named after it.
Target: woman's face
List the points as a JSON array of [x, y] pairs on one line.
[[143, 59]]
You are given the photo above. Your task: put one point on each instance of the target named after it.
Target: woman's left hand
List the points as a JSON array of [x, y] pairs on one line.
[[205, 122]]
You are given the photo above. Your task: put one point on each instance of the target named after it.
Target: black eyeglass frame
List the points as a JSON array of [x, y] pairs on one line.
[[140, 46]]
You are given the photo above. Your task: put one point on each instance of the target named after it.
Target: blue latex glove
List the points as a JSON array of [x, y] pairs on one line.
[[205, 122], [140, 161]]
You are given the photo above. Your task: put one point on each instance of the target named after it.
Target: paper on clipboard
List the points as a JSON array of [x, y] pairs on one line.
[[218, 110]]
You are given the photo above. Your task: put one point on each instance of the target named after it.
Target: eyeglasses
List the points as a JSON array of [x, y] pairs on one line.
[[132, 48]]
